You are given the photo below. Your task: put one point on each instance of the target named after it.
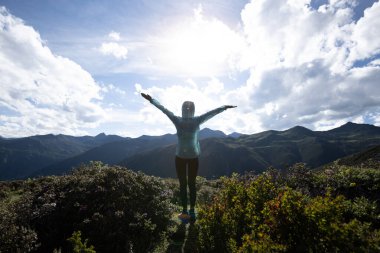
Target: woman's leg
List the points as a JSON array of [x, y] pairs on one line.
[[192, 175], [180, 165]]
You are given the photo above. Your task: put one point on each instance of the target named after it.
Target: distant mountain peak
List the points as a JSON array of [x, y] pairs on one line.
[[354, 127], [350, 124], [235, 135], [209, 133], [299, 130], [206, 129], [101, 136]]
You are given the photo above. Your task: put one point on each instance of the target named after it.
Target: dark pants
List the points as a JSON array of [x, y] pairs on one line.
[[192, 170]]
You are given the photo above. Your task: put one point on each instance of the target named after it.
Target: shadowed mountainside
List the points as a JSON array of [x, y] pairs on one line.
[[257, 152], [114, 152], [19, 157], [369, 158], [221, 154]]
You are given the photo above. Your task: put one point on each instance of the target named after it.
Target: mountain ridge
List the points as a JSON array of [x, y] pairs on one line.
[[121, 149], [259, 151], [256, 151], [19, 157]]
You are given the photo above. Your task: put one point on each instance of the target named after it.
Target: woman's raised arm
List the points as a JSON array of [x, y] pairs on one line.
[[212, 113], [154, 102]]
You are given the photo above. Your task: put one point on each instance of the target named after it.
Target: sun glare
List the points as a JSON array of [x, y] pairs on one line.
[[200, 46]]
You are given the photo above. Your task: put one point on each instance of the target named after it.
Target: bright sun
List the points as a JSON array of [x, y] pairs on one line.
[[200, 47]]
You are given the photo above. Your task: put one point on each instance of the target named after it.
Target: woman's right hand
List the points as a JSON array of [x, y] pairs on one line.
[[147, 97]]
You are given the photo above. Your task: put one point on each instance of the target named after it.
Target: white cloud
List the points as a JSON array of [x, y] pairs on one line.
[[138, 88], [195, 46], [206, 96], [284, 34], [123, 120], [214, 86], [199, 46], [301, 70], [41, 92], [114, 49], [301, 67], [112, 88], [114, 35], [365, 35], [302, 64]]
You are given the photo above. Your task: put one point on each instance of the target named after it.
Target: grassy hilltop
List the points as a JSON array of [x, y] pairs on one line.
[[112, 209]]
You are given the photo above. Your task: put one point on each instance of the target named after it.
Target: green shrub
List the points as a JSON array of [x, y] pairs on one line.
[[15, 234], [118, 210], [173, 185], [352, 181], [336, 209], [233, 212], [264, 214], [78, 245], [206, 190]]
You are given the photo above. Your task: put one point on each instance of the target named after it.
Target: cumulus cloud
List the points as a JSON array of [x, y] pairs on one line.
[[317, 67], [303, 70], [114, 48], [302, 63], [41, 92], [365, 34], [206, 96], [112, 88], [114, 35]]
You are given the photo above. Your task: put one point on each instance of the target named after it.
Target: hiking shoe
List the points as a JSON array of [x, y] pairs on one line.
[[184, 217]]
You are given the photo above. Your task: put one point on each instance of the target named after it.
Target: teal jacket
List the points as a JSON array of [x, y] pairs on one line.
[[188, 130]]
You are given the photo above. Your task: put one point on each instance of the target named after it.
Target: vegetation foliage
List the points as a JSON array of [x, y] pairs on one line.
[[117, 210], [78, 245], [335, 210], [99, 208]]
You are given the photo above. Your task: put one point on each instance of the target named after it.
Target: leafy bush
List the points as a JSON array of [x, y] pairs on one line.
[[352, 181], [336, 209], [349, 181], [15, 235], [206, 189], [78, 245], [297, 212], [233, 213], [118, 210]]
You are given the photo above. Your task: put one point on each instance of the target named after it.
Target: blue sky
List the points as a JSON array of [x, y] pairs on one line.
[[77, 67]]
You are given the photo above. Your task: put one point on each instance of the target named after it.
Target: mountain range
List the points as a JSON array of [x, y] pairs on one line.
[[257, 152], [221, 154], [19, 157]]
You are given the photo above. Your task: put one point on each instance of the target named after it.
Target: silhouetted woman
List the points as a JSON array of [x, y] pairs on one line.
[[188, 148]]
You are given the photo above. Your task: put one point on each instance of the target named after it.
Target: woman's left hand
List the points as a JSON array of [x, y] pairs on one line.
[[147, 97]]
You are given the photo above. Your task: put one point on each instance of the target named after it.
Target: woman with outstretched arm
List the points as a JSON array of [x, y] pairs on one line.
[[188, 148]]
